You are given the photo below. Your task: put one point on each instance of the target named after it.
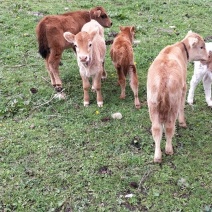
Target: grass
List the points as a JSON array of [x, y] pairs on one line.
[[59, 156]]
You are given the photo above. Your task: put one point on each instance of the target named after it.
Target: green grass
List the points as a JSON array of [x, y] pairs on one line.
[[59, 156]]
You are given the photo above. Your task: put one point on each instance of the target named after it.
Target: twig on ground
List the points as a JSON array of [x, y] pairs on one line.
[[46, 80], [144, 177]]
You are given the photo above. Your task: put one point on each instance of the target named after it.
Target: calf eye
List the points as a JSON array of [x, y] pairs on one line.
[[104, 16], [201, 47], [90, 45]]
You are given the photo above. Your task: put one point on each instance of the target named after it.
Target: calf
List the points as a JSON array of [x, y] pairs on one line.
[[121, 53], [52, 43], [202, 71], [166, 88], [91, 49]]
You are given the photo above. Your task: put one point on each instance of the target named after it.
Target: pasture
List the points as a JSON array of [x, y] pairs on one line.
[[57, 155]]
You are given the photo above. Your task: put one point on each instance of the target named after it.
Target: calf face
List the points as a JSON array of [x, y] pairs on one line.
[[82, 43], [197, 49], [208, 62], [100, 15]]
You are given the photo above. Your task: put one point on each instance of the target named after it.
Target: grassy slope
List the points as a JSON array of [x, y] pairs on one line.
[[62, 156]]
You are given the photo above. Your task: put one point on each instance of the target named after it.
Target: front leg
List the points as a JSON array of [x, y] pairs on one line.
[[97, 87], [193, 84], [86, 86], [207, 88], [104, 73]]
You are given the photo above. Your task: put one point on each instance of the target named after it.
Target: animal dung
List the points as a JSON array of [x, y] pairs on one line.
[[117, 115]]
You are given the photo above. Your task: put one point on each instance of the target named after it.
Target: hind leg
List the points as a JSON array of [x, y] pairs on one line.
[[121, 81], [157, 131], [134, 85], [181, 118], [53, 64], [169, 132], [49, 72]]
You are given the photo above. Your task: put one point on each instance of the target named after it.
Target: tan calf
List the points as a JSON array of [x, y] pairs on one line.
[[121, 53], [90, 48], [52, 43], [166, 88]]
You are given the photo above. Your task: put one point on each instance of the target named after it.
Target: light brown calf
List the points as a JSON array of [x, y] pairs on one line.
[[166, 88], [121, 53], [52, 43], [90, 48]]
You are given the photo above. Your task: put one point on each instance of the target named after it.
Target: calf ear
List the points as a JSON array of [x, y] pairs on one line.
[[69, 37], [97, 13], [192, 41], [93, 33], [132, 29]]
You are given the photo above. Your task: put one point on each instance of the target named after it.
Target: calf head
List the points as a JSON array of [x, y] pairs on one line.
[[208, 62], [129, 31], [82, 43], [100, 15], [197, 50]]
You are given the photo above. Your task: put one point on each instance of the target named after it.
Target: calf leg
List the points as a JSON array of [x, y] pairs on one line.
[[193, 84], [53, 65], [97, 87], [104, 73], [50, 73], [181, 118], [86, 86], [169, 132], [121, 81], [157, 131], [134, 85], [207, 88]]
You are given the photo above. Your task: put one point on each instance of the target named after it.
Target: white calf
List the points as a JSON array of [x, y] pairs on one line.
[[202, 71], [90, 49]]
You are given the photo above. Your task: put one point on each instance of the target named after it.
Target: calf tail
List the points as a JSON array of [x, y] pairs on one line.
[[42, 40], [163, 106]]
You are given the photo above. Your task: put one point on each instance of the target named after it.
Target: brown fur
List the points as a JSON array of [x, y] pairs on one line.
[[166, 88], [52, 43], [121, 53]]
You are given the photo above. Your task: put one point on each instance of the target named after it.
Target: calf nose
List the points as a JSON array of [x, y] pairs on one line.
[[83, 58]]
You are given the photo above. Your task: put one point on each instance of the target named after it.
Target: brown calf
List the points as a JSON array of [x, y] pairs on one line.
[[52, 43], [91, 50], [121, 53], [166, 88]]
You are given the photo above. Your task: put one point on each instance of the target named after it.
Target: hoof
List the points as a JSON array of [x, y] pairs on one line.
[[100, 104], [169, 152], [209, 104], [86, 104], [122, 97], [183, 125], [157, 160], [138, 106]]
